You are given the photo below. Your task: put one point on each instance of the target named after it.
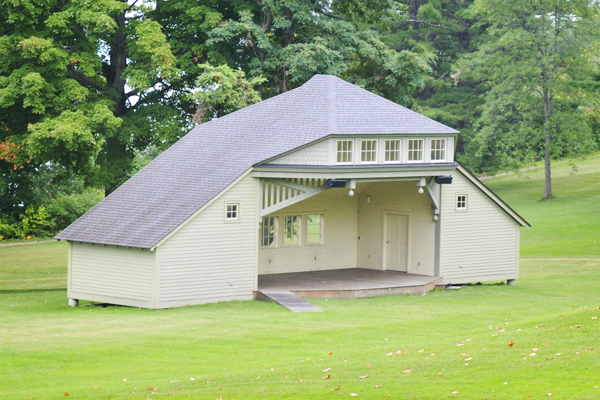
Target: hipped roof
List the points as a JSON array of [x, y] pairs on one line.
[[190, 173]]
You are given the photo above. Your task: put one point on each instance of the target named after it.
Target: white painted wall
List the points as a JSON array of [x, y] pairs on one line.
[[340, 233], [483, 240], [198, 263], [401, 197], [109, 274], [315, 154]]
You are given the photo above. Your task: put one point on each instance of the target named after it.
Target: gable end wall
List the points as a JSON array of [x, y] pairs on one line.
[[483, 240], [210, 259]]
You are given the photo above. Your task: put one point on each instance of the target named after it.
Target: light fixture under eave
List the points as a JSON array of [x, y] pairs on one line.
[[350, 192], [369, 199], [420, 191]]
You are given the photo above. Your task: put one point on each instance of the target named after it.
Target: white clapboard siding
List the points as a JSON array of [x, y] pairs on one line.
[[479, 244], [400, 197], [116, 275], [315, 154], [339, 237], [210, 259]]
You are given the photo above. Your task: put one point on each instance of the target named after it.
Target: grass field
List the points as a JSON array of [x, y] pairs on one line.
[[451, 341]]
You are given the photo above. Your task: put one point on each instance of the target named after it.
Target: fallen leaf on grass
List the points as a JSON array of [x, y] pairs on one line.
[[378, 386], [66, 394], [532, 355], [389, 354], [558, 354], [519, 330], [468, 359], [407, 371], [327, 377], [497, 334], [353, 395], [368, 365], [456, 392], [545, 343], [330, 354], [300, 380], [535, 349], [207, 382], [550, 358], [364, 377], [549, 394], [337, 388], [125, 380], [594, 317], [511, 344], [420, 351], [561, 315], [326, 370], [460, 344], [594, 387], [192, 378]]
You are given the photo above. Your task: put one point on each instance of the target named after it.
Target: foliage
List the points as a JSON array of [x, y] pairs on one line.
[[534, 52], [69, 81], [222, 90], [287, 42], [63, 210], [31, 223]]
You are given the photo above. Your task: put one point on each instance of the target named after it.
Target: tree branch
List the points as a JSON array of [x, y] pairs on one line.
[[85, 80]]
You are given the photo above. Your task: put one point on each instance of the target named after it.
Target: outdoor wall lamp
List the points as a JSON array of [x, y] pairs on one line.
[[350, 192]]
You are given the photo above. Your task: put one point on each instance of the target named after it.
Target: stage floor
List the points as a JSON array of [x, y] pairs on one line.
[[347, 283]]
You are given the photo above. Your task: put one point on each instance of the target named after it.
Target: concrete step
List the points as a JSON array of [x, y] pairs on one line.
[[289, 300]]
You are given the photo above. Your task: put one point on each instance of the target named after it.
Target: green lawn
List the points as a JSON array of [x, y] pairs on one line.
[[566, 226], [452, 341]]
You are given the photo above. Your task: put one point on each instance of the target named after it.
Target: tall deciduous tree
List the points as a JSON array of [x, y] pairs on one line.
[[535, 52], [288, 41], [74, 81]]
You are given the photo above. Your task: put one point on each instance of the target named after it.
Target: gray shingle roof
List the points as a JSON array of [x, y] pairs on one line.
[[165, 193]]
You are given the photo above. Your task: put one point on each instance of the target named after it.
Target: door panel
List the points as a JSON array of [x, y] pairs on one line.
[[397, 242]]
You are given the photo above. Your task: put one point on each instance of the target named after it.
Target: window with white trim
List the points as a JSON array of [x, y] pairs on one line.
[[368, 151], [290, 230], [392, 150], [461, 202], [232, 211], [268, 232], [438, 149], [314, 229], [345, 149], [415, 150]]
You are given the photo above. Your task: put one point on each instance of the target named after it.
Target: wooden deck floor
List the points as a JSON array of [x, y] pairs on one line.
[[347, 283]]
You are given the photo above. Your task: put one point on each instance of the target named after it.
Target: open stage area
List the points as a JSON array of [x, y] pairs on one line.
[[347, 283]]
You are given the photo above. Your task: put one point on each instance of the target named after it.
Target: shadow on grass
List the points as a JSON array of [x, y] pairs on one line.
[[32, 290]]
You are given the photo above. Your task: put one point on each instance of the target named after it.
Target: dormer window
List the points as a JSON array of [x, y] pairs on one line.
[[392, 150], [345, 149], [438, 149], [368, 151], [415, 150]]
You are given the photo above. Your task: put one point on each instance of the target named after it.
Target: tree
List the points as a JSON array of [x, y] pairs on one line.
[[75, 78], [289, 41], [535, 52]]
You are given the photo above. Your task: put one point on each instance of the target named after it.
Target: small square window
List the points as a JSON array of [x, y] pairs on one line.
[[415, 150], [345, 149], [313, 229], [368, 151], [461, 202], [290, 231], [392, 150], [268, 236], [438, 149], [232, 211]]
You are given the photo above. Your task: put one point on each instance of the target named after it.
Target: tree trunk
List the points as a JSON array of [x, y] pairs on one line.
[[547, 139], [414, 14]]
